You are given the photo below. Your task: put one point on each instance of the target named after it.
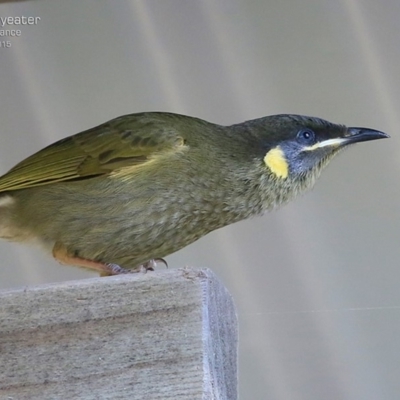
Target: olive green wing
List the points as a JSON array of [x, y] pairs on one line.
[[123, 142]]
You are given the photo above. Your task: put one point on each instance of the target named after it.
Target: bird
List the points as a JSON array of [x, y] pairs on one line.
[[121, 196]]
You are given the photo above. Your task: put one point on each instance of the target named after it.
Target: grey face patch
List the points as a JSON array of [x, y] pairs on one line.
[[302, 161]]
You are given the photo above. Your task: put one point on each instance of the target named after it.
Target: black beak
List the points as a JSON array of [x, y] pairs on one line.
[[355, 135]]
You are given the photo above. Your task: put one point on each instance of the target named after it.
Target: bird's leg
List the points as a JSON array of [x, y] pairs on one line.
[[60, 253]]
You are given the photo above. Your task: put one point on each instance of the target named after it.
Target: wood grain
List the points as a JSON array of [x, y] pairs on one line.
[[161, 335]]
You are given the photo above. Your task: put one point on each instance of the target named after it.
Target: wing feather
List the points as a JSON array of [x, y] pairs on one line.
[[122, 142]]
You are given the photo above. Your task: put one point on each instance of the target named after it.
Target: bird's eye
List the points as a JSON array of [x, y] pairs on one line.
[[306, 136]]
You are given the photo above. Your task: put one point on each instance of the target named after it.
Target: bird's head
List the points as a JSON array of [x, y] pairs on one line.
[[290, 151], [297, 147]]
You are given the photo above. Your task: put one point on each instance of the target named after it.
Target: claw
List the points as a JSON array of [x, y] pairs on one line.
[[162, 261], [151, 264]]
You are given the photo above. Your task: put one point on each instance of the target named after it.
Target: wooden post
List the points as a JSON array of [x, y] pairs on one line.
[[162, 335]]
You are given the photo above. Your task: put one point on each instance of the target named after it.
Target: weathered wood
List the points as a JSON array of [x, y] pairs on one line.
[[163, 335]]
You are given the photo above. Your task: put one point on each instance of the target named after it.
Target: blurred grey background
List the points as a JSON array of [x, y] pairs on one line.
[[316, 283]]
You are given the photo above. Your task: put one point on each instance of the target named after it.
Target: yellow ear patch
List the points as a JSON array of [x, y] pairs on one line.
[[275, 160]]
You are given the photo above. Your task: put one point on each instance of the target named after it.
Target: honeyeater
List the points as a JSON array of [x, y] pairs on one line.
[[122, 195]]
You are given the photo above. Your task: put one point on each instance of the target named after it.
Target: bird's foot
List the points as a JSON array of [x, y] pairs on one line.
[[115, 269], [151, 264]]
